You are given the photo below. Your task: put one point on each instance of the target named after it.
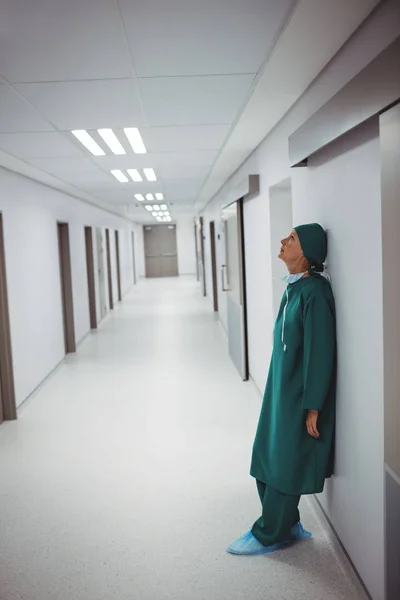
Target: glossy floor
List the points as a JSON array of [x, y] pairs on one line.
[[126, 476]]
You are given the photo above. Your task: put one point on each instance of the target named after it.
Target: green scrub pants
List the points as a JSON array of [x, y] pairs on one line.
[[279, 513]]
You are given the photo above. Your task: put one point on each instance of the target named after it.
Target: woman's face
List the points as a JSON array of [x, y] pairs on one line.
[[291, 250]]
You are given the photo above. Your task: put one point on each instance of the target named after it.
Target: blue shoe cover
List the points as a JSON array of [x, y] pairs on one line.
[[299, 533], [248, 545]]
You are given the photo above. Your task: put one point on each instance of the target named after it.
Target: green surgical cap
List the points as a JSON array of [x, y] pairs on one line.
[[314, 244]]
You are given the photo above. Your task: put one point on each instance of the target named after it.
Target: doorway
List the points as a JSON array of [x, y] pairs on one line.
[[101, 272], [66, 288], [202, 266], [109, 270], [197, 252], [233, 273], [118, 266], [8, 409], [214, 266], [281, 215], [90, 276], [160, 249], [133, 256]]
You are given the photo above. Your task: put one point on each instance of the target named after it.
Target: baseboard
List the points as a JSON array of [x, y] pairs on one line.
[[329, 530]]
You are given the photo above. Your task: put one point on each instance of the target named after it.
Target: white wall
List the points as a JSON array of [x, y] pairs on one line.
[[258, 286], [341, 190], [30, 213], [319, 195], [186, 246]]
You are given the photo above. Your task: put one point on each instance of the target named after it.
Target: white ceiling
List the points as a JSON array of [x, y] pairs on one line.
[[183, 71]]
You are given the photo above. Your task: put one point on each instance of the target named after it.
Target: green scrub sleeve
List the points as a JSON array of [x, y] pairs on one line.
[[319, 351]]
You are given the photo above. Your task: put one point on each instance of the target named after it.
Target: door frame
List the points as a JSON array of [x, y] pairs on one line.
[[7, 388], [66, 287], [196, 249], [109, 270], [133, 257], [203, 266], [91, 277], [214, 265], [242, 281], [242, 267], [118, 265]]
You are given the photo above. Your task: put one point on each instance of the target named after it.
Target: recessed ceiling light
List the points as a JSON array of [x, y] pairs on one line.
[[150, 197], [87, 140], [160, 214], [168, 219], [119, 175], [159, 219], [112, 141], [135, 175], [156, 207], [149, 207], [135, 140], [154, 214], [150, 174], [139, 197], [164, 207], [159, 196], [166, 213]]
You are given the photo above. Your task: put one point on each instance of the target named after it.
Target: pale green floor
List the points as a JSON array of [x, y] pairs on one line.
[[126, 477]]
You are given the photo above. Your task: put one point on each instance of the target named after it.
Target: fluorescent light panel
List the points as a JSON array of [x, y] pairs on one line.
[[139, 197], [166, 213], [149, 207], [135, 175], [154, 214], [87, 140], [112, 141], [159, 219], [156, 207], [119, 175], [163, 207], [159, 196], [135, 140], [150, 174], [149, 197]]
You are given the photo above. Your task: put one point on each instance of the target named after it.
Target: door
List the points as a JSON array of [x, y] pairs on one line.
[[90, 276], [133, 256], [214, 266], [66, 288], [102, 278], [8, 409], [202, 268], [233, 284], [197, 252], [161, 256], [169, 254], [118, 265], [109, 270]]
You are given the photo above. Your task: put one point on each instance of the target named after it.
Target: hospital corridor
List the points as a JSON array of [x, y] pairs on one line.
[[141, 481], [199, 292]]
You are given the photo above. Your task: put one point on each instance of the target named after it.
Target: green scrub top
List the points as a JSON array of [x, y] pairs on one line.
[[302, 376]]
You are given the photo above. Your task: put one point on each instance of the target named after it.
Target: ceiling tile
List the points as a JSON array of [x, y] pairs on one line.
[[55, 40], [175, 101], [182, 189], [224, 36], [185, 139], [67, 167], [38, 145], [17, 115], [86, 104], [177, 171]]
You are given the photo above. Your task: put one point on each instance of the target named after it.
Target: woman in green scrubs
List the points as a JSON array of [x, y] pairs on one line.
[[293, 447]]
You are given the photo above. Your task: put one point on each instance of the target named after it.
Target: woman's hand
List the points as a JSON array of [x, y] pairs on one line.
[[311, 423]]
